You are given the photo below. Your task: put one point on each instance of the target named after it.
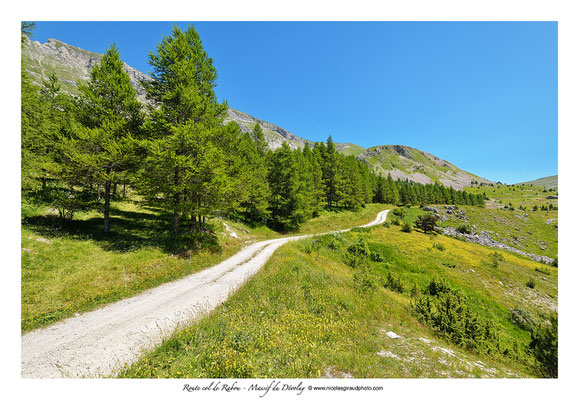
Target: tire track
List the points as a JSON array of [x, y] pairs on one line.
[[99, 342]]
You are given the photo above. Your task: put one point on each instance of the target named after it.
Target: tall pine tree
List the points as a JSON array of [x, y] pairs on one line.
[[184, 104], [102, 148]]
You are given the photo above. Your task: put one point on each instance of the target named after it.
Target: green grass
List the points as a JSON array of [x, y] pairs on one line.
[[73, 267], [302, 316], [518, 195], [523, 230], [349, 149], [548, 182]]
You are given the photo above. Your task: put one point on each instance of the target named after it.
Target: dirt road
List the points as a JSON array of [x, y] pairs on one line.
[[98, 343]]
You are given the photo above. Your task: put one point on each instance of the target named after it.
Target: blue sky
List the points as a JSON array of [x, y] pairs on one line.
[[480, 95]]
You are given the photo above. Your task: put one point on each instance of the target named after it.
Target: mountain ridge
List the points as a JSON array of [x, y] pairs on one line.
[[547, 182], [72, 63]]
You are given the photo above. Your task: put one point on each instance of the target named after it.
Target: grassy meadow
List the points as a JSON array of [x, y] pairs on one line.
[[309, 314], [519, 195]]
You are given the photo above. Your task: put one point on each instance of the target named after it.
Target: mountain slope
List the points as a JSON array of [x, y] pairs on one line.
[[404, 162], [71, 64], [548, 182]]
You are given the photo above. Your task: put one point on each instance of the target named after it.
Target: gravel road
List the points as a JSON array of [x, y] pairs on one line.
[[98, 343]]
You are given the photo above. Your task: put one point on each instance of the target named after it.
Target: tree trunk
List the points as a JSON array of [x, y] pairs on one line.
[[115, 189], [176, 205], [98, 192], [107, 207], [124, 190]]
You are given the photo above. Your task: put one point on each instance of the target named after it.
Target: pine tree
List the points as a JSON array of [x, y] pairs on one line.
[[259, 139], [102, 148], [252, 188], [184, 103], [330, 174]]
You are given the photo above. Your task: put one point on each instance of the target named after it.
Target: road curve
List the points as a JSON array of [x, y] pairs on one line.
[[98, 343]]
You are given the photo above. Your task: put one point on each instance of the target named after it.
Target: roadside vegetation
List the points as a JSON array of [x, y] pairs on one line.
[[74, 267], [378, 303]]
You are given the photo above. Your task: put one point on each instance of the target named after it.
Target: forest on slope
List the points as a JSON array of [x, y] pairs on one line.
[[176, 153]]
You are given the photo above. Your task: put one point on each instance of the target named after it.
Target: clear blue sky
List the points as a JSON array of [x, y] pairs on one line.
[[480, 95]]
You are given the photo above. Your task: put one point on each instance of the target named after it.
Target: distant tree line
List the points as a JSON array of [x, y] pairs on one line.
[[178, 155]]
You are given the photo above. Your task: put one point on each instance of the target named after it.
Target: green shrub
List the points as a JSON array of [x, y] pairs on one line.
[[386, 224], [394, 283], [426, 222], [448, 312], [359, 248], [414, 292], [544, 345], [464, 229], [438, 246], [357, 253], [530, 283], [437, 286], [361, 229], [396, 222], [399, 212], [406, 227], [377, 257]]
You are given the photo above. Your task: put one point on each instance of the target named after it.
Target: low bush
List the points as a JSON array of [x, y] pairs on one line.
[[407, 227], [447, 311], [437, 286], [544, 345], [396, 222], [394, 283], [438, 246], [426, 222], [530, 283], [357, 253], [399, 212], [377, 257], [414, 292], [464, 229]]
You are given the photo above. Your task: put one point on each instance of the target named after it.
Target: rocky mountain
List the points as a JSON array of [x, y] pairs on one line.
[[548, 182], [274, 135], [404, 162], [71, 64]]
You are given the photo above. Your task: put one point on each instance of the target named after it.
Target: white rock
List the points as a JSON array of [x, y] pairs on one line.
[[392, 335], [386, 353]]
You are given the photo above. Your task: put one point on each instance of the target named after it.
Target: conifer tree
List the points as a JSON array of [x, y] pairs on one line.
[[108, 111], [184, 103], [330, 171], [283, 182], [259, 139], [252, 188]]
